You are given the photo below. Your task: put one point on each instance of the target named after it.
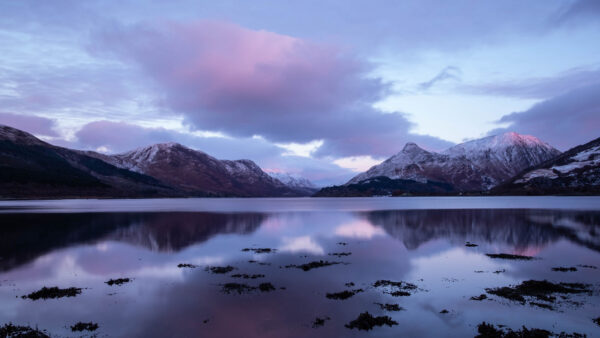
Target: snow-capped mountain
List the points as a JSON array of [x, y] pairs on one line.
[[295, 182], [32, 168], [471, 166], [197, 172], [575, 171]]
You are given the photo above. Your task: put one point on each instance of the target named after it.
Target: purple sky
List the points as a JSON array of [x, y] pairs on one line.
[[317, 88]]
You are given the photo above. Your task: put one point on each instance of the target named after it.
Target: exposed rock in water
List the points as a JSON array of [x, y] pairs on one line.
[[220, 269], [10, 330], [390, 307], [344, 294], [564, 269], [541, 290], [318, 322], [84, 327], [53, 292], [247, 276], [486, 330], [480, 297], [366, 322], [186, 265], [510, 256], [118, 281], [312, 265], [259, 250]]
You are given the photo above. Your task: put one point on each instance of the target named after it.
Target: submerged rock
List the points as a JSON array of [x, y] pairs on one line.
[[84, 327], [53, 292], [10, 330], [366, 322]]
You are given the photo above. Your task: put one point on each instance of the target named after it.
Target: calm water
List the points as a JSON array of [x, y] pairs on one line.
[[417, 240]]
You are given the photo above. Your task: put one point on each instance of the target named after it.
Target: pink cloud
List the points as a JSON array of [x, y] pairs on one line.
[[243, 82]]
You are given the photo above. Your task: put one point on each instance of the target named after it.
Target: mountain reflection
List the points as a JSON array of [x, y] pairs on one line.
[[28, 236], [516, 229]]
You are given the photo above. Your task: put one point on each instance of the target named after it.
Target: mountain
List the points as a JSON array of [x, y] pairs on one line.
[[385, 186], [576, 171], [197, 173], [31, 168], [296, 182], [476, 165]]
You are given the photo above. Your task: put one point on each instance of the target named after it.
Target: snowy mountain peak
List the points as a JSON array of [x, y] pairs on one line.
[[475, 165], [293, 180], [411, 147], [496, 143]]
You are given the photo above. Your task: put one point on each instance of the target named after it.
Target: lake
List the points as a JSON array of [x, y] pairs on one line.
[[302, 267]]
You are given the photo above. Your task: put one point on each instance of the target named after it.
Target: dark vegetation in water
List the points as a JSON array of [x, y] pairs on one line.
[[186, 265], [220, 269], [396, 289], [247, 276], [10, 330], [596, 320], [344, 294], [510, 256], [53, 292], [259, 250], [229, 288], [486, 330], [541, 290], [541, 305], [587, 266], [480, 297], [564, 269], [500, 271], [318, 322], [444, 311], [118, 281], [366, 322], [342, 243], [84, 327], [266, 287], [390, 307], [350, 284], [471, 245], [259, 263], [312, 265], [340, 254]]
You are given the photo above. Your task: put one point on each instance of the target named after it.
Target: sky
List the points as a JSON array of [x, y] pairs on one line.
[[321, 89]]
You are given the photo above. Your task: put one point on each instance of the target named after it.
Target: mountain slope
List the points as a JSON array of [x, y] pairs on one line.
[[31, 168], [476, 165], [296, 182], [576, 171], [198, 173]]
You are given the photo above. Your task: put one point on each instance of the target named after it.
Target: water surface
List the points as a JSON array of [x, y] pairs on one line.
[[84, 243]]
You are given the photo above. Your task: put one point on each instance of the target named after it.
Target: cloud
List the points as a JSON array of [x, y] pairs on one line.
[[36, 125], [448, 73], [578, 10], [301, 244], [539, 87], [564, 121], [242, 82]]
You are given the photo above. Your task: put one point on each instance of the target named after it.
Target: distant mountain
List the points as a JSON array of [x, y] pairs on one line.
[[576, 171], [476, 165], [296, 182], [31, 168], [197, 173]]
